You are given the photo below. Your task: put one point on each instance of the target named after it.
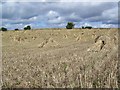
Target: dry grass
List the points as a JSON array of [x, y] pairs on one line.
[[60, 58]]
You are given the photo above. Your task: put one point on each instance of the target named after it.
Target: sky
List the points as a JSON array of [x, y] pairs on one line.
[[56, 14]]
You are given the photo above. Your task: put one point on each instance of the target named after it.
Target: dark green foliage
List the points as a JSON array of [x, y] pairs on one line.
[[27, 28], [70, 25], [3, 29], [88, 27], [83, 27], [16, 29]]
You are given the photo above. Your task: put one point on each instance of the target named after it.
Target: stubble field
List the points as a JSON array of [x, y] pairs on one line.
[[84, 58]]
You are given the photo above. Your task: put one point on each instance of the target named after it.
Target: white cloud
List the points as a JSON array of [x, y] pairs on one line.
[[33, 18], [73, 15], [56, 20], [110, 13], [61, 0], [59, 13], [87, 24], [107, 26], [52, 14], [14, 26]]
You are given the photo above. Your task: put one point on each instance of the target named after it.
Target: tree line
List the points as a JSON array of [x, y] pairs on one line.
[[70, 25], [25, 28]]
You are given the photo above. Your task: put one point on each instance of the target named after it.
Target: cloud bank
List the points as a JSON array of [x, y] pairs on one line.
[[57, 14]]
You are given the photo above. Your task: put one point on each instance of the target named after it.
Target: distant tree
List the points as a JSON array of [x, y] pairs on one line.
[[3, 29], [16, 29], [88, 27], [27, 28], [83, 27], [70, 25]]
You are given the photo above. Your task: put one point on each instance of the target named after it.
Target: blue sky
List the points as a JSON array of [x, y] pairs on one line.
[[46, 14]]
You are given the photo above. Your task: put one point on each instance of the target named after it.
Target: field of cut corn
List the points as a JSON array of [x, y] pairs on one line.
[[84, 58]]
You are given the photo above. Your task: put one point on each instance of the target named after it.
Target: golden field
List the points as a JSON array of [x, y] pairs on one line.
[[55, 58]]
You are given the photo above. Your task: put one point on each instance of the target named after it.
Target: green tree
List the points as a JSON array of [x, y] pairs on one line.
[[3, 29], [70, 25], [16, 29], [88, 27], [27, 28], [83, 27]]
